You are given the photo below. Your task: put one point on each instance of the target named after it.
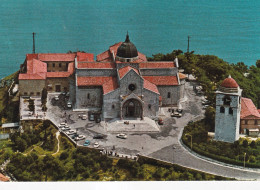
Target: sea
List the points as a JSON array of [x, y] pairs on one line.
[[229, 29]]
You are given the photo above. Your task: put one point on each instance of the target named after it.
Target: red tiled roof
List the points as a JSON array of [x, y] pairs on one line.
[[248, 109], [162, 80], [56, 56], [150, 86], [58, 74], [87, 57], [229, 83], [182, 76], [142, 57], [31, 77], [156, 65], [110, 85], [114, 48], [97, 65], [3, 178], [105, 56], [91, 81], [123, 71]]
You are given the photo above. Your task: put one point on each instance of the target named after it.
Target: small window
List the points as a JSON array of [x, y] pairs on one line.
[[227, 100], [169, 95], [32, 93], [88, 96], [38, 93], [230, 111], [222, 109], [127, 60], [67, 64], [149, 106], [59, 64], [25, 93], [113, 106], [53, 65], [246, 122], [256, 122]]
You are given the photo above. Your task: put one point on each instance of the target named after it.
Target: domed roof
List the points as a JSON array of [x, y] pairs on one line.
[[127, 49], [229, 83]]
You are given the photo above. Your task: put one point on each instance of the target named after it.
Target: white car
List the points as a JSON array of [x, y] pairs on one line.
[[84, 117], [121, 136], [71, 132], [69, 105], [96, 145], [65, 128], [56, 97], [91, 118], [61, 125], [80, 137]]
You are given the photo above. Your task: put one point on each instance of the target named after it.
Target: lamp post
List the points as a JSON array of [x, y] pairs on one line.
[[190, 140], [244, 160]]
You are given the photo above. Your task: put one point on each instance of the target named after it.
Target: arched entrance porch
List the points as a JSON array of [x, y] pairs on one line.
[[132, 108]]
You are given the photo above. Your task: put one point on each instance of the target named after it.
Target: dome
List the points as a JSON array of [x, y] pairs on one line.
[[127, 49], [229, 83]]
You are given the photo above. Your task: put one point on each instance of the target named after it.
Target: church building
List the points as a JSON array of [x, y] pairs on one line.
[[121, 82]]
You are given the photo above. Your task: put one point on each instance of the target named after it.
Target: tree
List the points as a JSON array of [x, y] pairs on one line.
[[31, 105], [253, 144], [245, 143], [44, 98], [258, 63]]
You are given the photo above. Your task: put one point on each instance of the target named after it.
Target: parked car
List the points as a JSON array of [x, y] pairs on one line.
[[176, 114], [61, 125], [65, 128], [179, 110], [160, 121], [96, 145], [98, 136], [91, 117], [80, 137], [71, 132], [98, 120], [56, 98], [69, 105], [121, 136], [86, 143], [84, 117], [74, 136]]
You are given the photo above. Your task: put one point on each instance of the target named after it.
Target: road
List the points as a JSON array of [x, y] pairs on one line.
[[181, 156]]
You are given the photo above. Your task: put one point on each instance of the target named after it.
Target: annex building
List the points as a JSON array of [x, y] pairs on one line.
[[120, 82]]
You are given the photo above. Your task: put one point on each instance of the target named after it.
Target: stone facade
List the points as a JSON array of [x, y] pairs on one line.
[[57, 84], [31, 87], [227, 120]]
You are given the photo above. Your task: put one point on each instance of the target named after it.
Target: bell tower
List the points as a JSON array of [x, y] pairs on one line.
[[228, 107]]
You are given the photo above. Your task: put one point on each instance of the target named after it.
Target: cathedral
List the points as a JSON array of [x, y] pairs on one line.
[[121, 83]]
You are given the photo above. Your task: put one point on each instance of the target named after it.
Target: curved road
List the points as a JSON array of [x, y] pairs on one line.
[[181, 156]]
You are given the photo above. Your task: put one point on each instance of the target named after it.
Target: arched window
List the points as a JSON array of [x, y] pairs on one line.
[[169, 95], [230, 111], [222, 109], [227, 100], [113, 106], [88, 96], [149, 106]]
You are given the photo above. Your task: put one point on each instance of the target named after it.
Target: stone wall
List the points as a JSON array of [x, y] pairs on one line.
[[159, 72], [89, 97], [174, 94], [151, 103], [31, 87], [52, 84], [227, 125], [55, 66], [131, 78], [249, 124], [111, 105], [96, 72]]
